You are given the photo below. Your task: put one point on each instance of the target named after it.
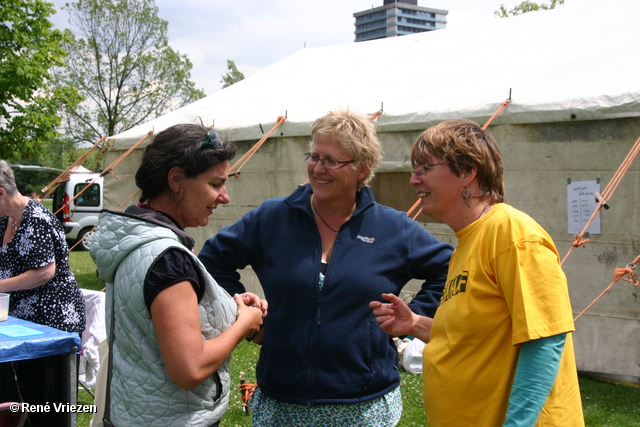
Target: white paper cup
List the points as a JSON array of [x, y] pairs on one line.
[[4, 307]]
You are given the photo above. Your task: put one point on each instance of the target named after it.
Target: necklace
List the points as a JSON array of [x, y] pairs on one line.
[[483, 210], [313, 199]]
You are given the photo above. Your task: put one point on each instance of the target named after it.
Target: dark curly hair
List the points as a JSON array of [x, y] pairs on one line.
[[181, 145]]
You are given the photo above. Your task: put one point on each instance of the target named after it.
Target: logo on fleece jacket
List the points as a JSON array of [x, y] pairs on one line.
[[366, 239]]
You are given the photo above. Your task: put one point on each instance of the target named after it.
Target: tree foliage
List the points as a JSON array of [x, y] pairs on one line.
[[29, 48], [120, 60], [526, 6], [233, 75], [62, 152]]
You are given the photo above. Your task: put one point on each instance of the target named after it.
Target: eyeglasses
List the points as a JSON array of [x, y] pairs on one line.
[[212, 140], [421, 170], [312, 159]]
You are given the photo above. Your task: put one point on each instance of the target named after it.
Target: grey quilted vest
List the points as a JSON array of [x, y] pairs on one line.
[[142, 394]]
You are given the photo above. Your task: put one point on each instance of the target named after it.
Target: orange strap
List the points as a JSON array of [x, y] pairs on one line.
[[606, 195], [247, 391], [375, 116], [235, 169], [109, 168], [415, 205], [65, 174], [498, 111], [619, 274]]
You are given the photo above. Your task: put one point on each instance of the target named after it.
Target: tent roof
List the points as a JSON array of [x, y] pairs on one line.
[[580, 61]]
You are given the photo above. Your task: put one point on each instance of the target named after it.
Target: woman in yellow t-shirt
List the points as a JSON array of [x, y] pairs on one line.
[[499, 349]]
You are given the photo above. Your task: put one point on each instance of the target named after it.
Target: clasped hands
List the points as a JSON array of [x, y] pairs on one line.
[[256, 308]]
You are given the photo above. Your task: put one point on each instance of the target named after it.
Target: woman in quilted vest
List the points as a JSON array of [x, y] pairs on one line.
[[171, 328]]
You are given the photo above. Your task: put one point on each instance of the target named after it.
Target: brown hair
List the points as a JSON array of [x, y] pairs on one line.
[[464, 145]]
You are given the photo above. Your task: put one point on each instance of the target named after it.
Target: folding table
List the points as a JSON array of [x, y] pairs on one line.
[[38, 366]]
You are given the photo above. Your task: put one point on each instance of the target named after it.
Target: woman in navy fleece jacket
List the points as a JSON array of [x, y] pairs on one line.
[[321, 255]]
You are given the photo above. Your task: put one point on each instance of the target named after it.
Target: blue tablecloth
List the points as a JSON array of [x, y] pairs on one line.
[[50, 342]]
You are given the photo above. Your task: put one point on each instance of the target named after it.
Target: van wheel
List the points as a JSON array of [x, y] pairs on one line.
[[84, 237]]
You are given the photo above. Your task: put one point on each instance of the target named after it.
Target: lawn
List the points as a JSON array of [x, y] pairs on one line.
[[85, 270], [605, 404]]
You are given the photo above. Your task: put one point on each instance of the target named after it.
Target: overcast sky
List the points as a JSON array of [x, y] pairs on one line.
[[258, 33]]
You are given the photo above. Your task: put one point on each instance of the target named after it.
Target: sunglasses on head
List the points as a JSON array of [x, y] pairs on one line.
[[212, 140]]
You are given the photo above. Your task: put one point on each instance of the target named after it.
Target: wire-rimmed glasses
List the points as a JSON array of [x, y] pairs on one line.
[[421, 170], [312, 159]]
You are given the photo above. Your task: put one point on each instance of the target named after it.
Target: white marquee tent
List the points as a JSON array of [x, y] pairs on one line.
[[558, 62], [574, 79]]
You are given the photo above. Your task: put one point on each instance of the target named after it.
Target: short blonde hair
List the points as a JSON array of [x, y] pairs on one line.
[[464, 145], [356, 134]]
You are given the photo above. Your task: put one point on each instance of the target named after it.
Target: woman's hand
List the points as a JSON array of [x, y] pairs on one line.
[[188, 358], [250, 315], [396, 318], [253, 300]]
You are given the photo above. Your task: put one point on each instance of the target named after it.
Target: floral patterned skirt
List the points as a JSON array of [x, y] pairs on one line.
[[385, 411]]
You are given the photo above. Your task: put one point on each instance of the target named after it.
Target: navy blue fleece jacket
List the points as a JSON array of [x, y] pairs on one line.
[[323, 346]]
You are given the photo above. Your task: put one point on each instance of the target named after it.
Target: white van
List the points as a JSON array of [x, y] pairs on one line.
[[79, 216]]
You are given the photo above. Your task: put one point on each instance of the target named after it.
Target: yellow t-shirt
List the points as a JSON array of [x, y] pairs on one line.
[[505, 286]]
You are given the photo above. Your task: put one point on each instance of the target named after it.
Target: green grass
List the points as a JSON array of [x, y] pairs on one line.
[[84, 398], [48, 203], [605, 404], [243, 362], [608, 404], [85, 270]]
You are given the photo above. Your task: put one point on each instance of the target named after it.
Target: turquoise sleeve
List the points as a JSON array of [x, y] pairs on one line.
[[536, 373]]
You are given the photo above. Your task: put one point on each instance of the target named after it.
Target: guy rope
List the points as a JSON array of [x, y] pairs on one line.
[[109, 169], [602, 199], [619, 274], [235, 169], [606, 195], [65, 174], [246, 389]]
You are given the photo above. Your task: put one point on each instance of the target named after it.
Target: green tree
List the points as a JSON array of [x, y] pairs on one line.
[[62, 152], [526, 6], [29, 48], [120, 60], [233, 75]]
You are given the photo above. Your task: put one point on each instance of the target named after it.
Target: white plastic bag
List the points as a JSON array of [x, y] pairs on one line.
[[412, 356]]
